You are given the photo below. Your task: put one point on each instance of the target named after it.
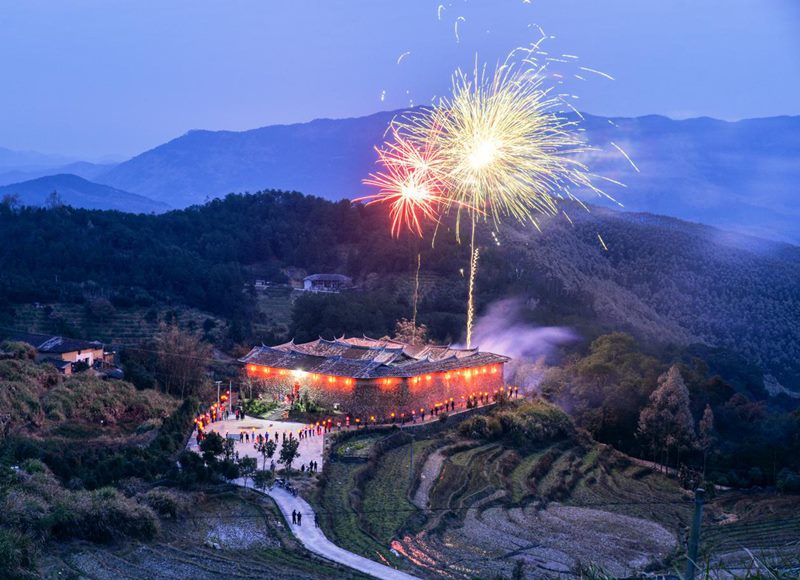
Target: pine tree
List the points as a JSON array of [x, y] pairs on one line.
[[707, 437], [666, 422]]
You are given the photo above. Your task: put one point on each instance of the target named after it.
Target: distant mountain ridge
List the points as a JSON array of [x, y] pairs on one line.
[[79, 192], [742, 176], [83, 169]]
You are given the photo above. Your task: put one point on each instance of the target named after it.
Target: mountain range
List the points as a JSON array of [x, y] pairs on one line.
[[741, 176], [79, 192]]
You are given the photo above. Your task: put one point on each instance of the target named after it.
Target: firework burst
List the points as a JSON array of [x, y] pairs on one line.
[[502, 147], [408, 183]]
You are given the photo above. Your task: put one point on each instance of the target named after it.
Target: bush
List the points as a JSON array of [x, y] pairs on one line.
[[19, 350], [165, 502], [521, 425], [788, 481], [16, 555]]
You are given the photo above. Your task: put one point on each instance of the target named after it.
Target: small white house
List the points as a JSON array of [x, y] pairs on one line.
[[327, 283]]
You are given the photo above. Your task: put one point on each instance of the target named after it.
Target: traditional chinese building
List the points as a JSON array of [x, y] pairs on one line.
[[367, 378]]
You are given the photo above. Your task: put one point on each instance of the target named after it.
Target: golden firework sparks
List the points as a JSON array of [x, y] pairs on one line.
[[503, 147]]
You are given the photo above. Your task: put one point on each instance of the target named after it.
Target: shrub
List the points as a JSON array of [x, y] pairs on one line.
[[788, 481], [19, 350], [165, 502], [16, 555]]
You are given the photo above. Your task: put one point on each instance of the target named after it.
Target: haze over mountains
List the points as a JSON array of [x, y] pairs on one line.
[[739, 176], [78, 192]]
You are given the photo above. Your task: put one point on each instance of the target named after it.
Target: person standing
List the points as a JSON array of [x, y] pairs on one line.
[[299, 519], [294, 517]]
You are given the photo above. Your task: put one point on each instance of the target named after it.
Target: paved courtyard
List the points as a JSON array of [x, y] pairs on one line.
[[310, 447]]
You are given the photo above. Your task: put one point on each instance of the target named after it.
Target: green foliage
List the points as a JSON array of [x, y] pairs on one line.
[[289, 452], [788, 481], [606, 390], [332, 315], [167, 503], [19, 350], [17, 555], [258, 407], [263, 478], [98, 465], [522, 425], [37, 505]]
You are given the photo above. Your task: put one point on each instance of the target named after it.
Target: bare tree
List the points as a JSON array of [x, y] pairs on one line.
[[410, 333], [53, 200], [182, 360]]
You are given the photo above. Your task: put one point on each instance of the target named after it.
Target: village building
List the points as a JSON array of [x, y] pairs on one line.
[[327, 283], [374, 380], [63, 353]]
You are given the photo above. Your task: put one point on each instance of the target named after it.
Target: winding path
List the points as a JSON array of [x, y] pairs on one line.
[[315, 541]]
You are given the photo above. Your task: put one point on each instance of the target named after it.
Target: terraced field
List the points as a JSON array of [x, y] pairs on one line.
[[274, 306], [562, 508], [756, 526], [555, 508], [227, 535], [126, 326]]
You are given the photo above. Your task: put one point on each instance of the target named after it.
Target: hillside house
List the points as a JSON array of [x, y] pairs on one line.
[[327, 283], [62, 352]]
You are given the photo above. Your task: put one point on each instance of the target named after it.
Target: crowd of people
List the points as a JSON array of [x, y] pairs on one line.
[[219, 412]]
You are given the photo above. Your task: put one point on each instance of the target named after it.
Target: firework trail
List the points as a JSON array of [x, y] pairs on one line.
[[416, 293]]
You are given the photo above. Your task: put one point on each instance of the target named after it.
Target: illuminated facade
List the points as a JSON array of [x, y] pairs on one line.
[[368, 378]]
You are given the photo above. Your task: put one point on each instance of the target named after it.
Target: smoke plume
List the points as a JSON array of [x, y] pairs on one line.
[[503, 330]]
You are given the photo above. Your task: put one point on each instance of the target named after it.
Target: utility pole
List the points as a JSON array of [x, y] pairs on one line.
[[411, 464], [694, 539], [218, 383]]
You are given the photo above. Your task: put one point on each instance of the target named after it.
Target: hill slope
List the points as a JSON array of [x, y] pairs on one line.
[[663, 280], [739, 176], [324, 157], [78, 192]]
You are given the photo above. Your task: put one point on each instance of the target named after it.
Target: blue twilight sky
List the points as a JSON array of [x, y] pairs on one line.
[[110, 78]]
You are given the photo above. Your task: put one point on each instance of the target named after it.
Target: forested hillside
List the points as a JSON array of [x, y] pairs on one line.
[[663, 280]]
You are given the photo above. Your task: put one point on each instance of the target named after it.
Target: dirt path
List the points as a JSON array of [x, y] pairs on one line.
[[430, 472]]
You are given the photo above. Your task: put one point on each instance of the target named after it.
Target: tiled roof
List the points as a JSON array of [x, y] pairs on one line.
[[365, 358], [48, 343]]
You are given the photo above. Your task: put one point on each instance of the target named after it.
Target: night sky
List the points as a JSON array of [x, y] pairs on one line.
[[107, 79]]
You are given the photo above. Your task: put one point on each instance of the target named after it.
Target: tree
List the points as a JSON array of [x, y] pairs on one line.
[[266, 449], [707, 436], [53, 200], [182, 359], [100, 309], [247, 468], [11, 201], [666, 422], [262, 479], [289, 452], [406, 331]]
